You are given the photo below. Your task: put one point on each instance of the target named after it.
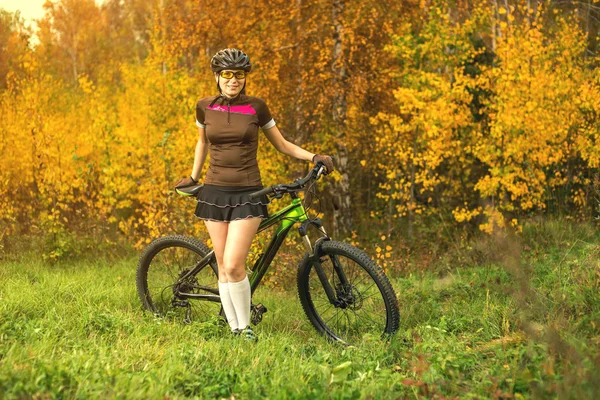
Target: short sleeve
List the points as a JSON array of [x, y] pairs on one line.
[[265, 120], [200, 115]]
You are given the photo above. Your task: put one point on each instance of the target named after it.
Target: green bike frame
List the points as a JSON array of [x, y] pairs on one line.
[[287, 216]]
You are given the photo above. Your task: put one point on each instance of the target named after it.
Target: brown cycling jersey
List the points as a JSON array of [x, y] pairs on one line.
[[232, 130]]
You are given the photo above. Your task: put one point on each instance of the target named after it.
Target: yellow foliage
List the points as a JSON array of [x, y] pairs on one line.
[[535, 118], [486, 116]]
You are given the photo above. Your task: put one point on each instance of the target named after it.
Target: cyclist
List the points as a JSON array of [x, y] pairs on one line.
[[228, 127]]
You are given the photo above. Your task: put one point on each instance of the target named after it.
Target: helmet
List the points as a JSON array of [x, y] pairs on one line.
[[230, 59]]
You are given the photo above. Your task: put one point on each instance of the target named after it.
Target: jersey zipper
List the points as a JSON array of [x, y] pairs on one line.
[[228, 111]]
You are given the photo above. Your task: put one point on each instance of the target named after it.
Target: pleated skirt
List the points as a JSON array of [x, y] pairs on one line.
[[230, 203]]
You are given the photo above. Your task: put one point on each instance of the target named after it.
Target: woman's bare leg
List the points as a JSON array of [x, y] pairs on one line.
[[239, 238], [218, 236], [237, 246]]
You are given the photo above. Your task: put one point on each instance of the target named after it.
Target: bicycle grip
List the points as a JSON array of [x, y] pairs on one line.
[[261, 192]]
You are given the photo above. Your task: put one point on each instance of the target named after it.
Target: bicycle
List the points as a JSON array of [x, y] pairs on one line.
[[343, 292]]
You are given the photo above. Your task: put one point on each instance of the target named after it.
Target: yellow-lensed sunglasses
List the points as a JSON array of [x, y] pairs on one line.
[[231, 74]]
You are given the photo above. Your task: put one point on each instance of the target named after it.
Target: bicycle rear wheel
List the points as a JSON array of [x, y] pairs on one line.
[[160, 267], [363, 301]]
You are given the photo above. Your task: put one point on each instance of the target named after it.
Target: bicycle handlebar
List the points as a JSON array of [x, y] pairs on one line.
[[314, 173], [279, 190], [261, 192]]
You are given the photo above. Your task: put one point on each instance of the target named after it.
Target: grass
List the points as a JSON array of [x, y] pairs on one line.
[[524, 322]]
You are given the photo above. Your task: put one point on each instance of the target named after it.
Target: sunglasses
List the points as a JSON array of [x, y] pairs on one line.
[[231, 74]]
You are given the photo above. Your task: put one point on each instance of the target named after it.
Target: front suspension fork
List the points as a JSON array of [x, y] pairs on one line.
[[315, 259]]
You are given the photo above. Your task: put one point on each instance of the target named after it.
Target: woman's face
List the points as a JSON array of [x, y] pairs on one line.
[[231, 81]]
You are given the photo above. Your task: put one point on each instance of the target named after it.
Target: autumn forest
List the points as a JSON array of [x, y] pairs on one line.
[[477, 114], [466, 137]]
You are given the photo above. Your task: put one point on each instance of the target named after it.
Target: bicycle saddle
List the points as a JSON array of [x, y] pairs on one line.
[[189, 190]]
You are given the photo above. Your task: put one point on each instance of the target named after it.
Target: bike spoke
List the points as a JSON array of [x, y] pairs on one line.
[[325, 302], [347, 315], [362, 280], [371, 295], [328, 308], [367, 317], [334, 315]]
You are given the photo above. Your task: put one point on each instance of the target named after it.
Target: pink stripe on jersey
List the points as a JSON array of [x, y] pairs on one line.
[[245, 109]]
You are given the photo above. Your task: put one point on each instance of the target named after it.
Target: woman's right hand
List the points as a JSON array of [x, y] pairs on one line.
[[185, 182]]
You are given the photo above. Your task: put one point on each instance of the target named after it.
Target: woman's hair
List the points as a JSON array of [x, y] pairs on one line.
[[230, 59]]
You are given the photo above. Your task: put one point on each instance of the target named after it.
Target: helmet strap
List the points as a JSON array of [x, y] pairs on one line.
[[218, 85]]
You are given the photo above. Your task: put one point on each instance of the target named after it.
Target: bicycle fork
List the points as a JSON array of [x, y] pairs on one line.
[[316, 260], [303, 230]]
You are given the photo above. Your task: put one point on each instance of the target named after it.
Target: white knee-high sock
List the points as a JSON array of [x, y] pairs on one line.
[[240, 297], [230, 314]]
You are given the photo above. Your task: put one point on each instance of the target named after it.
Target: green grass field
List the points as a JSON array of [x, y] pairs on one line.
[[523, 322]]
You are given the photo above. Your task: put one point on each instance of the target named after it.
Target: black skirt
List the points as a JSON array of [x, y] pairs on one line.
[[230, 203]]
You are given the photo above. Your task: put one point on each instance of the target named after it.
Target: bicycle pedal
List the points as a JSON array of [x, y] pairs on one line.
[[260, 307], [257, 313]]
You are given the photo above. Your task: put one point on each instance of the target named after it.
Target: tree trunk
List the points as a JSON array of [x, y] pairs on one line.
[[300, 133], [494, 27], [342, 216], [413, 202], [73, 53], [390, 215], [74, 65], [163, 31]]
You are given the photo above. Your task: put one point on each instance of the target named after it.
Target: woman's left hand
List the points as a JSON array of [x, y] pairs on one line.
[[327, 160]]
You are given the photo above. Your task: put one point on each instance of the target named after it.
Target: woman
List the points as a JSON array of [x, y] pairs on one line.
[[228, 126]]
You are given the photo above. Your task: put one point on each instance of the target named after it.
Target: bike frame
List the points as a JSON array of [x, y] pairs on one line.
[[287, 217]]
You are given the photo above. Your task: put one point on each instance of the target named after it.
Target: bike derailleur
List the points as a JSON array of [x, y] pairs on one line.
[[256, 313], [188, 309]]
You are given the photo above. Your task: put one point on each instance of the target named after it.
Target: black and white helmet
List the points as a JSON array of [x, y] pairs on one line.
[[230, 59]]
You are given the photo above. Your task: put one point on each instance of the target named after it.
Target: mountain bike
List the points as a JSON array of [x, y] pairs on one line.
[[343, 292]]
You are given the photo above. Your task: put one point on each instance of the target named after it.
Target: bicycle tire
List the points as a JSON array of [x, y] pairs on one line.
[[367, 289], [164, 260]]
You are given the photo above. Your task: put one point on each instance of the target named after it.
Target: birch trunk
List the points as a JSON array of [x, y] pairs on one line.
[[342, 217], [300, 135], [413, 202]]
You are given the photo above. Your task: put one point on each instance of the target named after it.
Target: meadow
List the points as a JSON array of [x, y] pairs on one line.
[[512, 317], [451, 122]]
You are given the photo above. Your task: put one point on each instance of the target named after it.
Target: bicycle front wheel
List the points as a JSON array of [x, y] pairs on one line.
[[160, 288], [361, 299]]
